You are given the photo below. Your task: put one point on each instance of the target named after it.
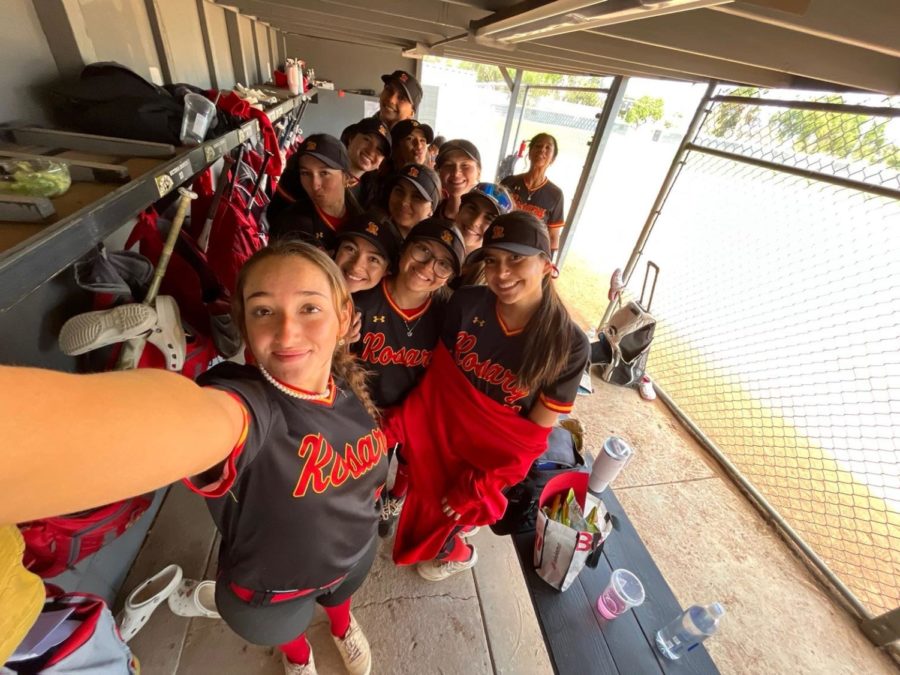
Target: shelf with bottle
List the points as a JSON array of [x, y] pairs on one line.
[[33, 252]]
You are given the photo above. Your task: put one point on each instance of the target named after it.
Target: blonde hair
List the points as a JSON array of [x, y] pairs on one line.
[[343, 364]]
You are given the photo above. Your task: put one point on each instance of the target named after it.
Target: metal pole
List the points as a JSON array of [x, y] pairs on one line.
[[602, 132], [763, 504], [858, 185], [599, 90], [522, 111], [665, 188], [447, 41], [510, 113], [844, 108]]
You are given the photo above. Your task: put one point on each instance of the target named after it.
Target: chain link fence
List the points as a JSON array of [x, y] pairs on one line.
[[779, 315]]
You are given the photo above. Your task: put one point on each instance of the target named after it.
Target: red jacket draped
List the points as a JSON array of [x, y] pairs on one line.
[[460, 444]]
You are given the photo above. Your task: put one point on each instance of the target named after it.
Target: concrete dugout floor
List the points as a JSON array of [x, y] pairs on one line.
[[705, 537]]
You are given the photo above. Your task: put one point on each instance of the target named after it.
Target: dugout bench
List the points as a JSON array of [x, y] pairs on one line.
[[580, 641]]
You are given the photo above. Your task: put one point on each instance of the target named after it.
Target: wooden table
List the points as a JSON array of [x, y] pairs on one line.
[[579, 640]]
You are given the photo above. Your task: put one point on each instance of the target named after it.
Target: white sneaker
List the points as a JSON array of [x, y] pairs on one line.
[[616, 284], [194, 598], [470, 531], [144, 600], [167, 335], [438, 570], [92, 330], [291, 668], [354, 649], [645, 388]]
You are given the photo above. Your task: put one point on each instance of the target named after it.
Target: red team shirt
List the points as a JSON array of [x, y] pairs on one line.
[[490, 355]]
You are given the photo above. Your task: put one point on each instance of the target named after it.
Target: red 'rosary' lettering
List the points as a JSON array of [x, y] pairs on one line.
[[375, 351], [487, 370], [531, 208], [324, 468]]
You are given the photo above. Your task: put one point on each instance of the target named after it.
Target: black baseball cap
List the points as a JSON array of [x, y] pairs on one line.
[[375, 227], [464, 146], [444, 232], [327, 149], [404, 128], [426, 180], [409, 84], [517, 232], [370, 125]]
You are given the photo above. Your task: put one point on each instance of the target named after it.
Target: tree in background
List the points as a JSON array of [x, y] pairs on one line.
[[642, 110], [726, 117], [488, 73], [841, 135]]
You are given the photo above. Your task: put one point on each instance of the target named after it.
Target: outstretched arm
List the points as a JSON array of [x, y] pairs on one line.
[[71, 442]]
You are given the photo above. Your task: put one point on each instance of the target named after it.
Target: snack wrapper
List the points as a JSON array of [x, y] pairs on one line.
[[566, 541]]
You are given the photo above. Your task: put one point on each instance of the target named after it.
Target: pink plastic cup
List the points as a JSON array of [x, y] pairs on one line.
[[623, 592]]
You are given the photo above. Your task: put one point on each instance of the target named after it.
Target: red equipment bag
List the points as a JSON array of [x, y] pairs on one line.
[[235, 237], [201, 352], [54, 545], [188, 278]]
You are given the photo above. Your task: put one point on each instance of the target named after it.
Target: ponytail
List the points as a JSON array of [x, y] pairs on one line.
[[549, 340], [346, 366]]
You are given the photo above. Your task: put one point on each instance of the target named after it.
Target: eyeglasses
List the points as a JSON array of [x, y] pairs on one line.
[[497, 193], [443, 268]]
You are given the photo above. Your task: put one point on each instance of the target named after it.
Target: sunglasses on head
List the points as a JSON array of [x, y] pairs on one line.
[[497, 193]]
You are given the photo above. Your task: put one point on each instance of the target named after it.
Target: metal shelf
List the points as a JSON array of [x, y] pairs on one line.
[[33, 262]]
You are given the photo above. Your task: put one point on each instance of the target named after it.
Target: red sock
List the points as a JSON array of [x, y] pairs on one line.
[[401, 483], [461, 551], [340, 618], [297, 650]]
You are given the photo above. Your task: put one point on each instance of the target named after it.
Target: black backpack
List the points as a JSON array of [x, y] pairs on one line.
[[561, 456], [108, 99]]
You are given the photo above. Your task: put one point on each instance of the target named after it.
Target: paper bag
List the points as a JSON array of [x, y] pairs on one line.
[[560, 552]]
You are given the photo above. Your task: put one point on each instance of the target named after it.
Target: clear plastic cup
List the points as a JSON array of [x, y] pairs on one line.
[[199, 115], [623, 592]]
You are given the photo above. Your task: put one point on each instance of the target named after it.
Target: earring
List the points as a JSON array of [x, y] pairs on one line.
[[341, 342]]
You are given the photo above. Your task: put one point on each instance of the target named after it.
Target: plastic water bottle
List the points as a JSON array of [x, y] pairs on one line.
[[694, 625]]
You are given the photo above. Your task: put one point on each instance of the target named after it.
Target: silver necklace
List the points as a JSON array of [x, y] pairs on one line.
[[294, 394], [410, 329]]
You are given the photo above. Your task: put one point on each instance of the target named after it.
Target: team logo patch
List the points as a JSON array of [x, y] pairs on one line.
[[379, 318], [498, 232], [404, 77], [412, 172], [447, 237], [372, 228], [414, 123], [311, 145], [477, 321]]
